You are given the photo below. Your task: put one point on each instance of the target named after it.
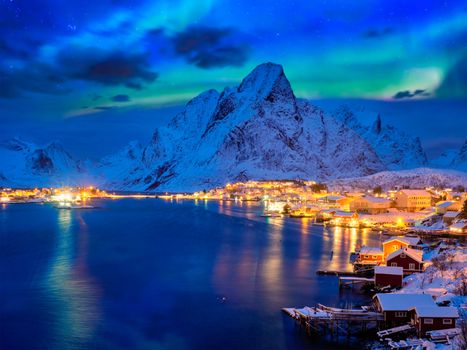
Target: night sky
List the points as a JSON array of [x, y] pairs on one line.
[[120, 68]]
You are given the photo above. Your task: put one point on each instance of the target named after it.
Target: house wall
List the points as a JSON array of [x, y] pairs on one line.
[[386, 280], [393, 246], [404, 263], [422, 328], [412, 203], [392, 320]]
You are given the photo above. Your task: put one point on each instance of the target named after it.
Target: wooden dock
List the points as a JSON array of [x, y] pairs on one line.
[[350, 281], [323, 319]]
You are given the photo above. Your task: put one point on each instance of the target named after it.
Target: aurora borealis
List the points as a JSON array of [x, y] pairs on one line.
[[63, 59]]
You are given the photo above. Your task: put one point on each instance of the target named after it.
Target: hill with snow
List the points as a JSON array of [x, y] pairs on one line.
[[24, 164], [259, 130], [256, 130], [413, 178]]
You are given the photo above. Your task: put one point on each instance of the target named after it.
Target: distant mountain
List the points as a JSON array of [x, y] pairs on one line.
[[25, 164], [413, 178], [460, 159], [396, 149], [256, 130]]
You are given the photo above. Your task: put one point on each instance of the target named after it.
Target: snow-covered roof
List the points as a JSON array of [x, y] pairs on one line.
[[397, 302], [436, 311], [459, 225], [376, 199], [389, 270], [445, 204], [334, 198], [407, 239], [418, 193], [371, 250], [344, 214], [413, 253], [451, 214]]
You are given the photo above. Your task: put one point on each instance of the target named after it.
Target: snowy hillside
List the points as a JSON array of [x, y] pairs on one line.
[[27, 165], [396, 149], [460, 159], [257, 130], [415, 178]]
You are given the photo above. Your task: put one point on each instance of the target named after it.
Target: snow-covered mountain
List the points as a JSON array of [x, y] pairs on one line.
[[396, 149], [414, 178], [257, 130], [24, 164], [459, 161]]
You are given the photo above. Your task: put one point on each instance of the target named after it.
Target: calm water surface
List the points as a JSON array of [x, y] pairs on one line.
[[154, 274]]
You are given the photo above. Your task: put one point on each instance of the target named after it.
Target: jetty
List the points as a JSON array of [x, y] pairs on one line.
[[334, 321], [350, 281]]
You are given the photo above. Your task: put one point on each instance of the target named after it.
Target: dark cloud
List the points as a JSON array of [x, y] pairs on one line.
[[208, 47], [454, 83], [107, 68], [104, 108], [377, 33], [121, 98], [409, 94], [133, 85], [35, 78]]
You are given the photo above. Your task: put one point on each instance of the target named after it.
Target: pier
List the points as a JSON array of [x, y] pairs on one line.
[[334, 321], [350, 281]]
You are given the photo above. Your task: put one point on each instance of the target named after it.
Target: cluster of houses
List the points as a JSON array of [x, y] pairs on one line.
[[418, 310], [403, 255], [394, 209], [398, 257]]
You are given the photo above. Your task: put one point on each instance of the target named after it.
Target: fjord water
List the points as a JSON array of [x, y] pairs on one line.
[[155, 274]]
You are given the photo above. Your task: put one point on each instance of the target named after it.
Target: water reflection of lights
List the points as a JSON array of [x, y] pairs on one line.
[[70, 288]]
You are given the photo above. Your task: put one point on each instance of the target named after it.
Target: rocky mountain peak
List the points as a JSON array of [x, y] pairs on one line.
[[267, 81]]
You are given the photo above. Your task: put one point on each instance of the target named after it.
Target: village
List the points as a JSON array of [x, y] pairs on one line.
[[399, 210], [416, 280], [418, 297]]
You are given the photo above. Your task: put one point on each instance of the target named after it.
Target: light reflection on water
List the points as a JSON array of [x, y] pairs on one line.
[[69, 287], [136, 273]]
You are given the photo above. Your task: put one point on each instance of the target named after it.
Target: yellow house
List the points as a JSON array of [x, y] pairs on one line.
[[413, 200], [396, 243]]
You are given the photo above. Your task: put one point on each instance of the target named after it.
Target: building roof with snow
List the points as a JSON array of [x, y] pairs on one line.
[[436, 311], [376, 199], [415, 193], [398, 302], [366, 250], [444, 204], [413, 253], [389, 270], [407, 240], [459, 225], [451, 214]]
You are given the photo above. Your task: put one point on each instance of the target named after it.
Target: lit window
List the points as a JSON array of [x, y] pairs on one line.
[[428, 321], [447, 321]]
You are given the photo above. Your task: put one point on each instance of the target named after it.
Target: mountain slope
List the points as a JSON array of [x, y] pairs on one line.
[[414, 178], [460, 159], [396, 149], [24, 164], [257, 130]]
